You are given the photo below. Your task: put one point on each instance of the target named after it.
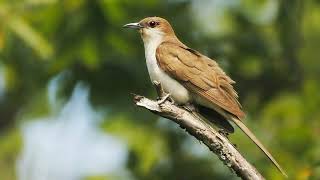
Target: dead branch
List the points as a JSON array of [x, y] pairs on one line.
[[198, 128]]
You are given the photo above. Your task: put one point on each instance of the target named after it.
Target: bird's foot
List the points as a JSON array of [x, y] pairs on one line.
[[165, 98], [224, 133]]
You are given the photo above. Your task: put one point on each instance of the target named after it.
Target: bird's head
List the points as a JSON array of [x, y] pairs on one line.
[[153, 29]]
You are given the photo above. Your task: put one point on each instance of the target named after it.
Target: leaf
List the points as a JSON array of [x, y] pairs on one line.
[[30, 36]]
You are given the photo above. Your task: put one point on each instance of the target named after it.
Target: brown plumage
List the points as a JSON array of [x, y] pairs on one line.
[[200, 74], [191, 77]]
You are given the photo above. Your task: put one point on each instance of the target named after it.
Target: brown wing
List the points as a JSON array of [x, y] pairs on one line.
[[199, 74]]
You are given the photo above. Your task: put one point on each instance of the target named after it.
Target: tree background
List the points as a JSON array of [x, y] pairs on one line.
[[269, 47]]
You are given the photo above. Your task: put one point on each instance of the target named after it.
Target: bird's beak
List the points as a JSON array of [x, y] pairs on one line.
[[133, 26]]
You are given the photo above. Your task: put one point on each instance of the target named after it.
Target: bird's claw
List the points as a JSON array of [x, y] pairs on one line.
[[171, 100], [164, 98]]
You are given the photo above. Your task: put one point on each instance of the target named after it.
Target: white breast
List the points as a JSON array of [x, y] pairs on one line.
[[179, 93]]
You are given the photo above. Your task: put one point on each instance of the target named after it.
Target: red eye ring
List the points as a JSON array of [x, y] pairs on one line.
[[153, 24]]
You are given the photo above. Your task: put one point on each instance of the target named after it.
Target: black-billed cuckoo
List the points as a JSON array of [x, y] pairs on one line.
[[192, 78]]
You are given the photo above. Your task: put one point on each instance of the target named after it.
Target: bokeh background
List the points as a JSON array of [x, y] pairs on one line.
[[67, 69]]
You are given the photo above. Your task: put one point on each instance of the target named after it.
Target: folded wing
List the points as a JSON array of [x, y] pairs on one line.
[[200, 75]]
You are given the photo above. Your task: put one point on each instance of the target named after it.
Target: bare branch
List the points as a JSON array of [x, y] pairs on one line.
[[198, 128]]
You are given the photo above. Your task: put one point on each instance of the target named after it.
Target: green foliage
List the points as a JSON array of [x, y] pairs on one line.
[[10, 145], [269, 47]]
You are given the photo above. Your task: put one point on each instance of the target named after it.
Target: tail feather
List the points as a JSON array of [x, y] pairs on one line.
[[247, 131]]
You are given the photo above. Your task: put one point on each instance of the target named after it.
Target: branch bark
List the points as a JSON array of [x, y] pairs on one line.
[[202, 131]]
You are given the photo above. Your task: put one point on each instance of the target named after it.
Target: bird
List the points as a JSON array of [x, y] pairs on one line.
[[190, 77]]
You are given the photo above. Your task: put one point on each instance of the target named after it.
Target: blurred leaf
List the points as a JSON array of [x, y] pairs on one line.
[[119, 44], [1, 39], [31, 37], [39, 2], [11, 78], [89, 53], [251, 67], [72, 5], [315, 174], [113, 10], [10, 145]]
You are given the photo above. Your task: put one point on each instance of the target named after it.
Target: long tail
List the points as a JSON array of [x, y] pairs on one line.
[[247, 131]]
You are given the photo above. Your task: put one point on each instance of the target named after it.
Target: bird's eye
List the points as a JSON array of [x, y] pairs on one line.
[[153, 24]]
